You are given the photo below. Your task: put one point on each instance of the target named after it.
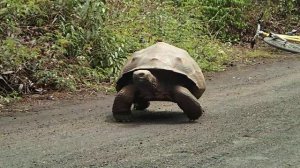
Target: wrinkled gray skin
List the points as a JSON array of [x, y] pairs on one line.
[[155, 85]]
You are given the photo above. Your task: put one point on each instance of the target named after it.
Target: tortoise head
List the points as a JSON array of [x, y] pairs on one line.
[[144, 78]]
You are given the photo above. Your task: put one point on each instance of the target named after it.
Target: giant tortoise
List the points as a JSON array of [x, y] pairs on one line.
[[161, 72]]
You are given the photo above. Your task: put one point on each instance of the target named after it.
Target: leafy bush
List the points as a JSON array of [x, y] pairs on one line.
[[282, 16], [68, 44], [169, 21], [225, 19], [56, 44]]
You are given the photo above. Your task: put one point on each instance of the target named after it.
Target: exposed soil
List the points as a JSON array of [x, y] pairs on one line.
[[252, 119]]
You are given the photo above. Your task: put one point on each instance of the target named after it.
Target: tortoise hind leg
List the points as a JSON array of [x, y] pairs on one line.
[[187, 102], [141, 104], [122, 104]]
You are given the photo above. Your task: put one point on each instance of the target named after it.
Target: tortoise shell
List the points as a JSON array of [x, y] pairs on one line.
[[163, 56]]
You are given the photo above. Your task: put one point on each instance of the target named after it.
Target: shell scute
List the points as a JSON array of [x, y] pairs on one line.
[[165, 57]]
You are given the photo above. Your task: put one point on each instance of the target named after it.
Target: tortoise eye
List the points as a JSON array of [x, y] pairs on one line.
[[141, 74]]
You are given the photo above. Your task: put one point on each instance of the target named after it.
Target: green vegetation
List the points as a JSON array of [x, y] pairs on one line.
[[55, 44], [70, 44]]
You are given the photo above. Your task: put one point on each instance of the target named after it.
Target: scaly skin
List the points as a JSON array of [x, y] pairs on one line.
[[141, 104], [187, 102], [122, 104]]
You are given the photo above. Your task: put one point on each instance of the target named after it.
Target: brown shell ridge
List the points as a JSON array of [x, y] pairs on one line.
[[165, 57]]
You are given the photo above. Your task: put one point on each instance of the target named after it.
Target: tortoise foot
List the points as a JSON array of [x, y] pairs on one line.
[[141, 105]]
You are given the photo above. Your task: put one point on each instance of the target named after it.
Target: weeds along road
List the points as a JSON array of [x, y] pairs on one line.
[[252, 119]]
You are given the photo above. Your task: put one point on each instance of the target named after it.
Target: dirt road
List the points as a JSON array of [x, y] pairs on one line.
[[252, 119]]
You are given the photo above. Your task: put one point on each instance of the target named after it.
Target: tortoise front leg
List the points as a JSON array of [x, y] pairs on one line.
[[187, 102], [122, 104]]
